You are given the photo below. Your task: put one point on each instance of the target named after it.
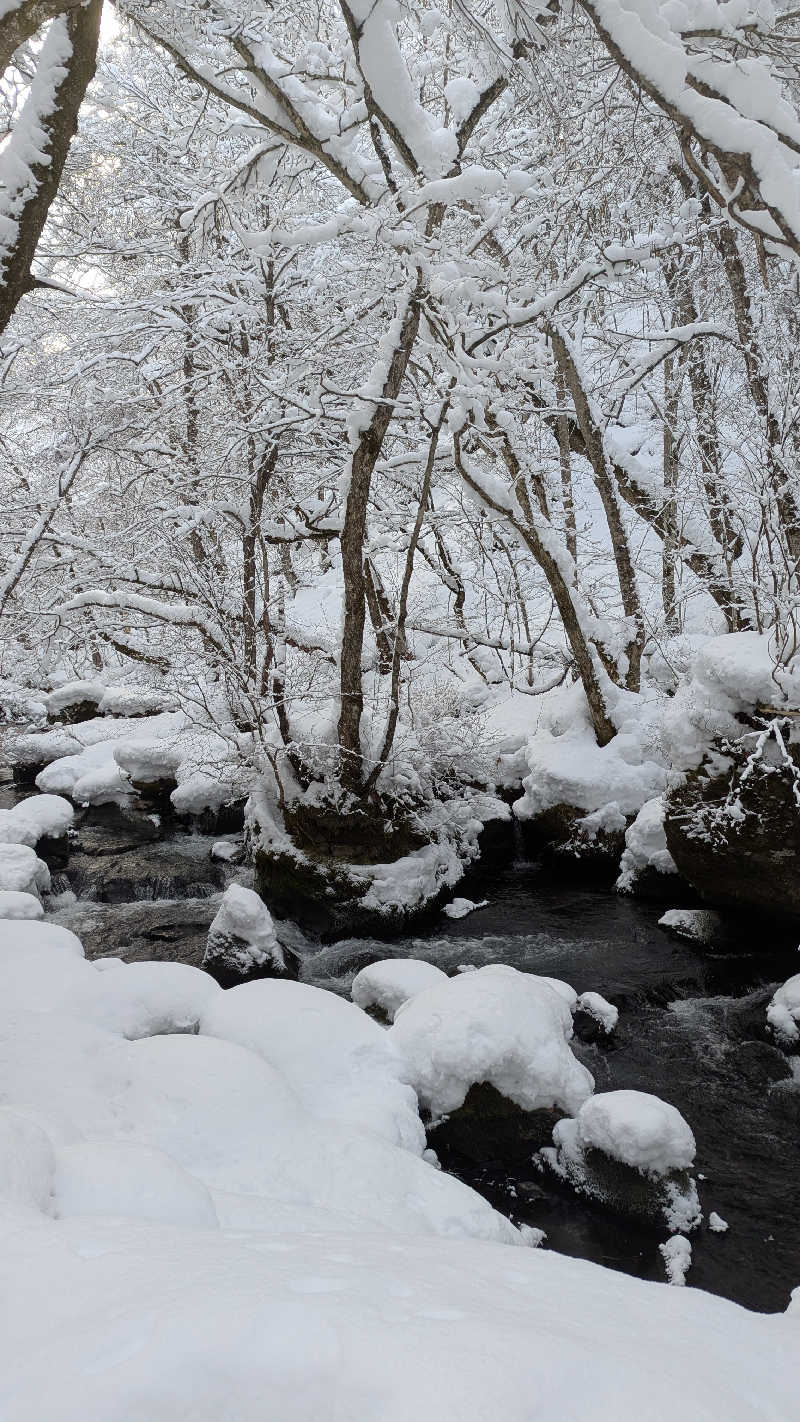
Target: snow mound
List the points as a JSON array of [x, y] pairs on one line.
[[645, 846], [15, 904], [393, 981], [783, 1012], [638, 1129], [698, 925], [27, 1162], [51, 936], [242, 938], [22, 870], [340, 1063], [131, 1180], [567, 767], [495, 1025], [35, 817]]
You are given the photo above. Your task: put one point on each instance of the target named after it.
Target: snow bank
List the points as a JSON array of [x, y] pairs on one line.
[[339, 1062], [33, 818], [392, 981], [645, 846], [495, 1025], [783, 1012], [115, 1321]]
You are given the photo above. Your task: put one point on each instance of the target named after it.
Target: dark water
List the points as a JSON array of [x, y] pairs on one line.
[[691, 1030]]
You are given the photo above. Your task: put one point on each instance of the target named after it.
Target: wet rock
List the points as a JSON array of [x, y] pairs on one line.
[[155, 871], [784, 1099], [114, 829], [489, 1129]]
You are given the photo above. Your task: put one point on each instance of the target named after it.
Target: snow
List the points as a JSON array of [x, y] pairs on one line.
[[15, 904], [33, 818], [242, 935], [783, 1012], [495, 1025], [677, 1256], [638, 1129], [717, 1224], [390, 982], [602, 1011], [50, 936], [131, 1180], [645, 845], [567, 767], [699, 925], [182, 1235], [340, 1063], [22, 869], [459, 908]]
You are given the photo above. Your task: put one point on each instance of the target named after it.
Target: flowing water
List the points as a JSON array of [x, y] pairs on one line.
[[691, 1030]]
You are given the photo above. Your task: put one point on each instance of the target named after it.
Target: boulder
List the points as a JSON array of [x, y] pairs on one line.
[[733, 830], [242, 944]]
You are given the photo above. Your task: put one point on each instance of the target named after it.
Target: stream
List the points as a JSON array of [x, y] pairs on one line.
[[691, 1028]]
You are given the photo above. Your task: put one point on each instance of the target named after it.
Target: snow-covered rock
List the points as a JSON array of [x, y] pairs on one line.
[[717, 1224], [698, 925], [460, 908], [387, 984], [783, 1012], [638, 1129], [509, 1029], [340, 1063], [631, 1151], [645, 846], [17, 904], [49, 937], [241, 940], [34, 818], [603, 1012], [22, 870]]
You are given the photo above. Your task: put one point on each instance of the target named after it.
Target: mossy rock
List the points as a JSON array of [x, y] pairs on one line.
[[748, 859], [557, 837], [489, 1129], [629, 1192]]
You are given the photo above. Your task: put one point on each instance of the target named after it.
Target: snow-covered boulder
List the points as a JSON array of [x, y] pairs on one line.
[[16, 904], [631, 1151], [646, 853], [21, 869], [698, 925], [37, 817], [490, 1051], [20, 936], [604, 1013], [242, 944], [27, 1162], [783, 1013], [340, 1063], [384, 986]]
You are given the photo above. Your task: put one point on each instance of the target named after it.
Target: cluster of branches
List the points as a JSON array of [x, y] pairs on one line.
[[473, 326]]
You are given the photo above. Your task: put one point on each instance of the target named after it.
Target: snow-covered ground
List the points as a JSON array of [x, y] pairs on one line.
[[213, 1204]]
